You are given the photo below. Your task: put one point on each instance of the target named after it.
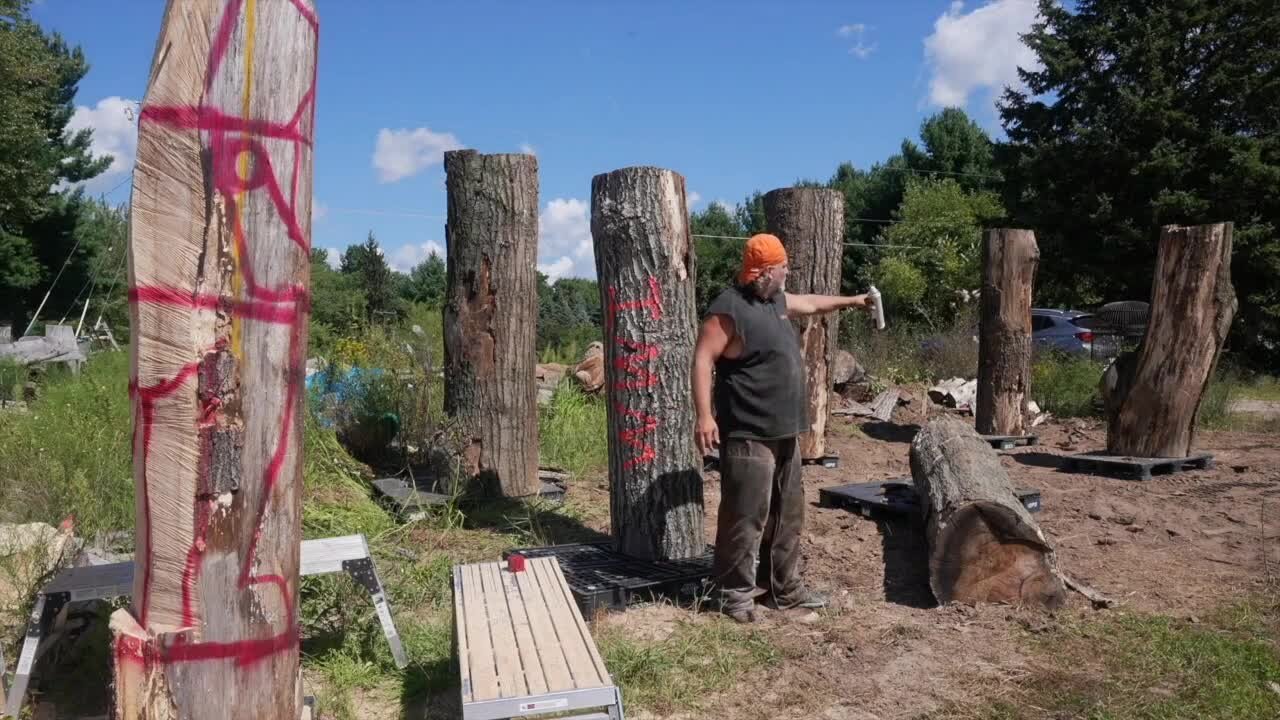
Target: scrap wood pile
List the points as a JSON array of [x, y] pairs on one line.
[[588, 374]]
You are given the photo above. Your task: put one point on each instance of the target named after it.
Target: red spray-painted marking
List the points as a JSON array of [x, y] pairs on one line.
[[287, 305], [632, 362], [260, 310]]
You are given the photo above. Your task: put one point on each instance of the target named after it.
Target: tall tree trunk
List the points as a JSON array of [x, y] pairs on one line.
[[984, 546], [220, 230], [1157, 391], [645, 265], [1009, 262], [490, 315], [810, 224]]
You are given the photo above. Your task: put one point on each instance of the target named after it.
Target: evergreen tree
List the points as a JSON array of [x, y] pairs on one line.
[[1149, 114]]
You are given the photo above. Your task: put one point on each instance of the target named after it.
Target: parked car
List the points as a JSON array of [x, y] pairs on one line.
[[1069, 331], [1066, 331]]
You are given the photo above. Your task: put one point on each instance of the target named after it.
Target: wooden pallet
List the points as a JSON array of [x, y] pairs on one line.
[[1134, 467], [894, 497], [1006, 442], [523, 647]]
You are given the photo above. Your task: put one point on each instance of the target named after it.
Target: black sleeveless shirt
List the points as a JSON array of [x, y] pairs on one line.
[[760, 395]]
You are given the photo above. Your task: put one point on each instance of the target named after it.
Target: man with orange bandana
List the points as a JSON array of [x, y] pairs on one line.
[[760, 409]]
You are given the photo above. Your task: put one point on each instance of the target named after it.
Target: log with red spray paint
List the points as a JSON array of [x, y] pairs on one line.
[[218, 268]]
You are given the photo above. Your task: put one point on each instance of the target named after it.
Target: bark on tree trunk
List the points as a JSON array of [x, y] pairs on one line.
[[810, 224], [1009, 262], [984, 545], [490, 316], [645, 265], [220, 228], [1157, 392]]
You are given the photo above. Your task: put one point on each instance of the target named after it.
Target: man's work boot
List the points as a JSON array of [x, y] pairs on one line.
[[803, 598]]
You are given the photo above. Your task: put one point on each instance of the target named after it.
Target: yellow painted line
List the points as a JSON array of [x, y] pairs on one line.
[[237, 279]]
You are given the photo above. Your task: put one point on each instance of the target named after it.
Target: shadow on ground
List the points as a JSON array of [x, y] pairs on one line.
[[890, 432], [906, 561], [1037, 459]]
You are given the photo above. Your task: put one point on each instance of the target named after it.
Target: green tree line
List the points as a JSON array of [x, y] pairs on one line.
[[1139, 115]]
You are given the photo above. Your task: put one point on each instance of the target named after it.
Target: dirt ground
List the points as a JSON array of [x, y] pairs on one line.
[[1179, 544]]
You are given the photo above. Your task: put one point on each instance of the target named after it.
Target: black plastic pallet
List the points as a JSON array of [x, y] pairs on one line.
[[1006, 442], [895, 497], [826, 461], [1134, 467], [603, 579]]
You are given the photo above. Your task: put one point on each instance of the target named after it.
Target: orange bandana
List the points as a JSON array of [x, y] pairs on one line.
[[761, 253]]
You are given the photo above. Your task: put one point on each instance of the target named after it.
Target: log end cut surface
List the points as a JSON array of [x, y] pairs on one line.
[[984, 546]]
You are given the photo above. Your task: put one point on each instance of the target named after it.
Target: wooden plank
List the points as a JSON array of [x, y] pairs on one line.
[[506, 654], [555, 667], [572, 639], [587, 640], [460, 627], [484, 676], [534, 676]]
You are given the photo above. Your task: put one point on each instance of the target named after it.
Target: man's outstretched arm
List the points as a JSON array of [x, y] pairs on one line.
[[802, 305]]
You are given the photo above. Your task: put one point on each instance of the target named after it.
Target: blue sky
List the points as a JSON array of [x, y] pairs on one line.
[[735, 95]]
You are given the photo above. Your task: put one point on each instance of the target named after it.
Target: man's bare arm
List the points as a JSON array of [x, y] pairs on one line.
[[714, 336], [802, 305]]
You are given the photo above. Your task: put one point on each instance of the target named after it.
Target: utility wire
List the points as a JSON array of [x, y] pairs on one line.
[[850, 244]]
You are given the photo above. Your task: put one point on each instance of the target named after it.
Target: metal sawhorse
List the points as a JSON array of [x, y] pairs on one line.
[[349, 554]]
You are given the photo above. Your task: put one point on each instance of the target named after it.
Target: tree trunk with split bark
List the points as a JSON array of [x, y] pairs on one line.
[[1009, 262], [810, 224], [645, 266], [1153, 396], [984, 545], [490, 316], [220, 228]]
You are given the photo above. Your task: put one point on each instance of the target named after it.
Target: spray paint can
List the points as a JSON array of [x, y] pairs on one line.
[[874, 294]]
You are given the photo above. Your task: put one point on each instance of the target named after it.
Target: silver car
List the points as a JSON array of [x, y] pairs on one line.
[[1068, 331]]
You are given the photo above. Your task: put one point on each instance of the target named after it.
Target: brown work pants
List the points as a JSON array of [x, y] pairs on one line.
[[761, 515]]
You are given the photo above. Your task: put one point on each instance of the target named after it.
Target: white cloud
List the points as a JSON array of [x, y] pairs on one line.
[[114, 121], [528, 149], [564, 239], [319, 211], [334, 258], [556, 270], [980, 49], [858, 33], [404, 153], [692, 198], [405, 257]]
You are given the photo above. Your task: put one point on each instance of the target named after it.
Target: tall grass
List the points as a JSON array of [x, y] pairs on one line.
[[573, 431], [1065, 385], [69, 454]]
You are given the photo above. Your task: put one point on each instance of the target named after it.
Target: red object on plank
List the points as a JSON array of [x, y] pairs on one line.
[[515, 563]]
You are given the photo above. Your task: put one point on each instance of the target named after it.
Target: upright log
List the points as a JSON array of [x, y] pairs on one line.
[[983, 544], [490, 317], [810, 224], [645, 266], [219, 249], [1155, 394], [1009, 262]]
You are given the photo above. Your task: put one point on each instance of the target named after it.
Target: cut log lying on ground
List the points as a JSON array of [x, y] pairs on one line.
[[853, 409], [1153, 396], [984, 546]]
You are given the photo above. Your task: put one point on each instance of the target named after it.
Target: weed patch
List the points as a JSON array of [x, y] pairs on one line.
[[1064, 385], [680, 671], [572, 432], [1151, 667]]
